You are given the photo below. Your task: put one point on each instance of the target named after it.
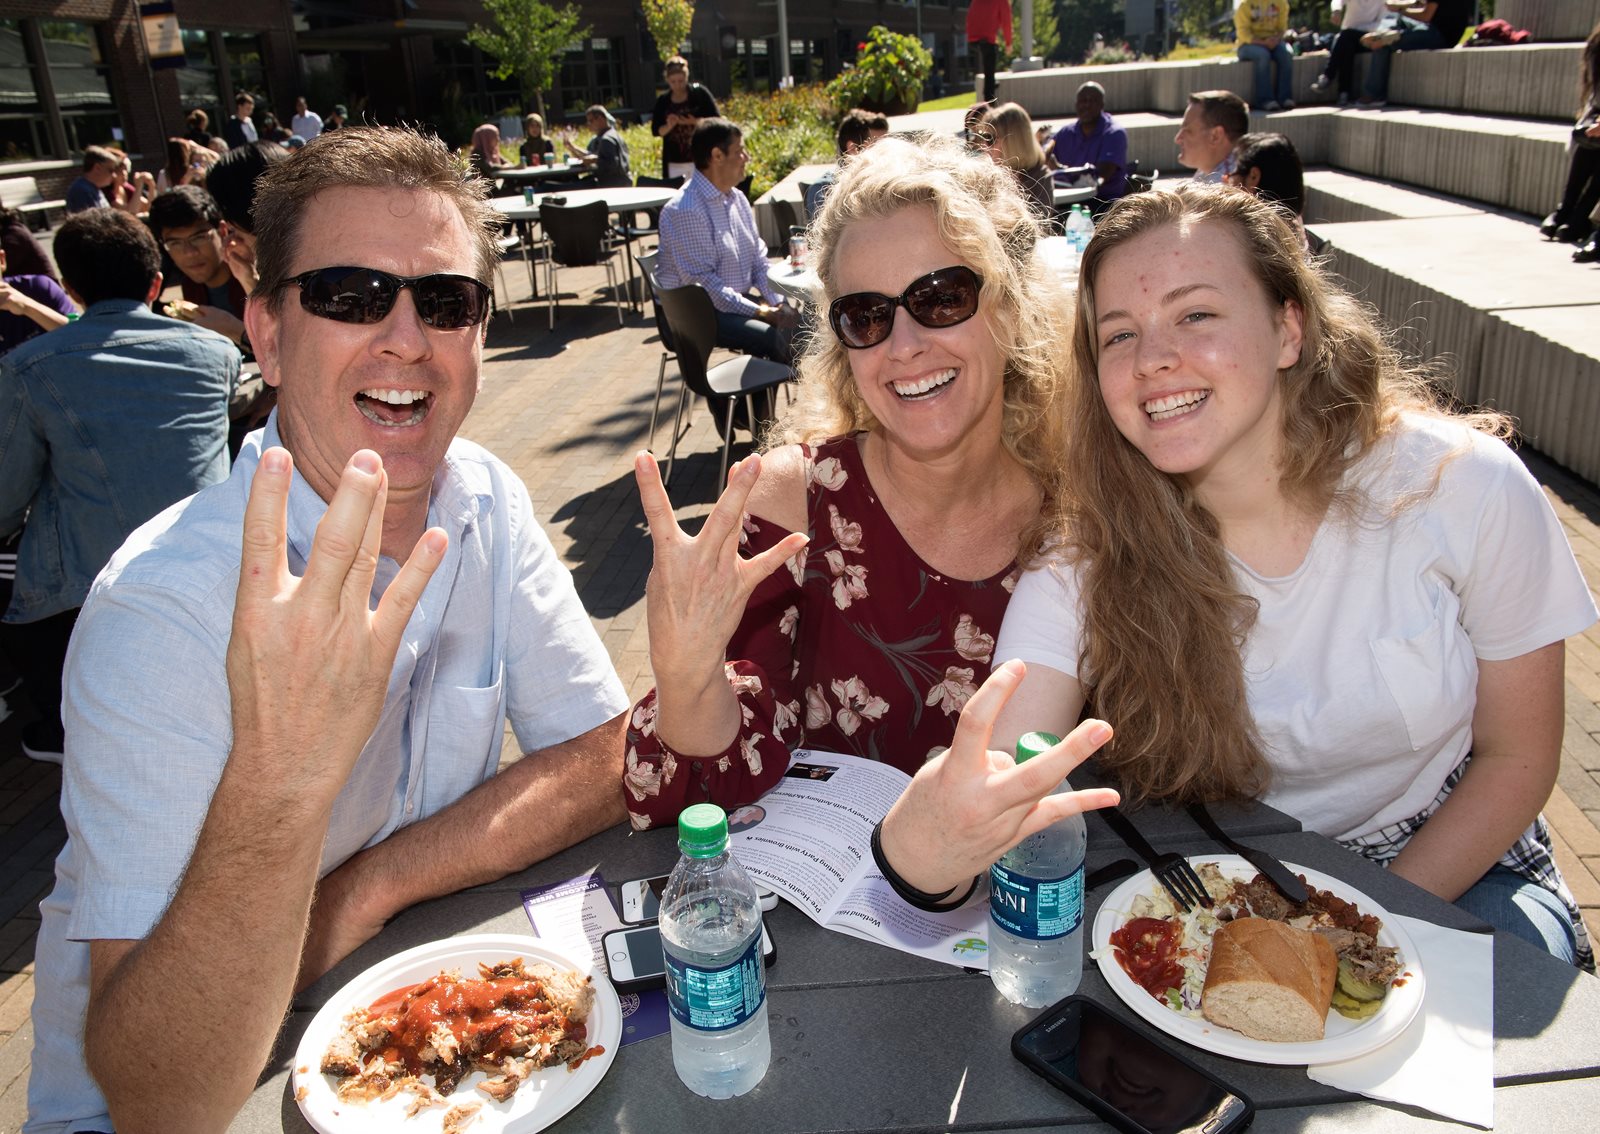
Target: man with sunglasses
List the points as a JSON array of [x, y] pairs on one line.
[[709, 237], [287, 696]]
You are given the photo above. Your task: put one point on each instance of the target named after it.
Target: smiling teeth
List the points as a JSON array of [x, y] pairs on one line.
[[924, 386], [395, 397], [1173, 405]]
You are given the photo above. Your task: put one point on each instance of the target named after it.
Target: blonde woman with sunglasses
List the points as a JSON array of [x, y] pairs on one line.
[[845, 592]]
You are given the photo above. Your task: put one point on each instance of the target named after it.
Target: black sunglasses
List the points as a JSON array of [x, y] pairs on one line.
[[939, 299], [366, 295]]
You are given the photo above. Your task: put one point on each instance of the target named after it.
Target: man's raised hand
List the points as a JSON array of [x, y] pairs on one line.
[[309, 659]]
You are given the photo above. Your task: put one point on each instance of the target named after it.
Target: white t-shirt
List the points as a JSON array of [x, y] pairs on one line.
[[1362, 666]]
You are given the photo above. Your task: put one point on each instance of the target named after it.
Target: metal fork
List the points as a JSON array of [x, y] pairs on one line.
[[1171, 870]]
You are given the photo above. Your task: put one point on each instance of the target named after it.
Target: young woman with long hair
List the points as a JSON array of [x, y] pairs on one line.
[[1281, 570], [1577, 217]]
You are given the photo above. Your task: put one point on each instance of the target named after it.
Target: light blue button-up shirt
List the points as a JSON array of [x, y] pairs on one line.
[[499, 634], [710, 238], [103, 423]]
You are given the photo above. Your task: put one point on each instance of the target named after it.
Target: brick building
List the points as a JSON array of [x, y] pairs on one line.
[[76, 73]]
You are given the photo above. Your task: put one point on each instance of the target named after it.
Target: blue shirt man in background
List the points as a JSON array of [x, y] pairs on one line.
[[709, 237], [87, 191], [1095, 139], [103, 423]]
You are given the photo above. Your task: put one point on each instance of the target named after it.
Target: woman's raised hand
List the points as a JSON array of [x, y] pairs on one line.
[[969, 805], [699, 584]]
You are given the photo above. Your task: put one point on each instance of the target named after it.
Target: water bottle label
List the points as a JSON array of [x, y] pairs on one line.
[[714, 1000], [1038, 909]]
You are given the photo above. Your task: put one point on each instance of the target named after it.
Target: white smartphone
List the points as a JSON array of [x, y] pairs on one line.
[[635, 961], [641, 898]]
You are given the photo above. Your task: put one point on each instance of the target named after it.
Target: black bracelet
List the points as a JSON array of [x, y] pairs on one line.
[[933, 903]]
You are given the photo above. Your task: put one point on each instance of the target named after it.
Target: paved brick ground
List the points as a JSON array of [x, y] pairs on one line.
[[568, 409]]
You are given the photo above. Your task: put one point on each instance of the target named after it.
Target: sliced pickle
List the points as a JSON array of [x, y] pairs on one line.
[[1352, 1009], [1356, 988]]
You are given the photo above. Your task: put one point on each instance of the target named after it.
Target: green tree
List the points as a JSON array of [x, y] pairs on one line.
[[527, 37], [668, 23], [1080, 19]]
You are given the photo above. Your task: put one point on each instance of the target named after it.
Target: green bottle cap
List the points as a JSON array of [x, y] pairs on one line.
[[702, 830], [1033, 743]]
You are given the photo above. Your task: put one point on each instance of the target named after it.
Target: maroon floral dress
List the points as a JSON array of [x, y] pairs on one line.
[[858, 646]]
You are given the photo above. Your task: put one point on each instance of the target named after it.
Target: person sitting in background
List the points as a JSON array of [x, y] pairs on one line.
[[606, 156], [1360, 17], [336, 119], [485, 156], [306, 123], [1094, 139], [186, 165], [88, 191], [845, 591], [1433, 25], [25, 256], [103, 423], [30, 305], [187, 223], [1213, 122], [197, 127], [534, 143], [709, 237], [1575, 218], [1012, 144], [1268, 166], [676, 114], [129, 191], [232, 185], [858, 129], [272, 131], [1261, 25], [1284, 570]]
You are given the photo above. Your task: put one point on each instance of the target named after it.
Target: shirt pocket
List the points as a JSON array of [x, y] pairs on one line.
[[465, 726], [1431, 675]]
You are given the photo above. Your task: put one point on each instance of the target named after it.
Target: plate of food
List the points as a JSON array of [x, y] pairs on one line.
[[1256, 977], [481, 1034]]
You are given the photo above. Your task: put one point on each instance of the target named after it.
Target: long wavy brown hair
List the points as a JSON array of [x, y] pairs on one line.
[[1164, 621], [985, 221]]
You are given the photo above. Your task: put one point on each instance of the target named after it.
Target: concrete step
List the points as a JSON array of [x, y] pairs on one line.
[[1503, 163], [1531, 81], [1335, 197], [1508, 317], [1551, 19]]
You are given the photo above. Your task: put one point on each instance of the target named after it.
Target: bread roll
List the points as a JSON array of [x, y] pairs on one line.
[[1269, 980]]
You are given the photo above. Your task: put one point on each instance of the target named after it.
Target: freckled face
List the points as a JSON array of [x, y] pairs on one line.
[[1190, 349], [931, 389]]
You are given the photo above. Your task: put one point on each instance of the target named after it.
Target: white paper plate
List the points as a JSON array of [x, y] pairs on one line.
[[543, 1098], [1344, 1039]]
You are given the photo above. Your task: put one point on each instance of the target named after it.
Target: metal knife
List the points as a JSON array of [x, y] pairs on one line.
[[1278, 874]]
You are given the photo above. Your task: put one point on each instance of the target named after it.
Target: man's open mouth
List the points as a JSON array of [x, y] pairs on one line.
[[924, 387], [395, 408], [1175, 405]]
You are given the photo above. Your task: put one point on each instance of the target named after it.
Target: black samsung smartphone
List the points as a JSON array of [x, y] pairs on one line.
[[1122, 1074], [635, 962]]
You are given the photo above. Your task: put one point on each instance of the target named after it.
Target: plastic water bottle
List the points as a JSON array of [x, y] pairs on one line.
[[716, 986], [1036, 906], [1080, 228]]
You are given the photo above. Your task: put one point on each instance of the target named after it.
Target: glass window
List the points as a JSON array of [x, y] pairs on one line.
[[608, 85], [246, 71], [198, 85], [23, 134], [82, 83], [462, 67]]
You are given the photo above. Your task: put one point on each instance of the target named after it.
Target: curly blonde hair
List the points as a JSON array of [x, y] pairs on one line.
[[986, 224], [1164, 621]]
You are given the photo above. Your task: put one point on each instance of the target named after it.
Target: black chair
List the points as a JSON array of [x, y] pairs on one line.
[[628, 229], [693, 321], [647, 268], [575, 237]]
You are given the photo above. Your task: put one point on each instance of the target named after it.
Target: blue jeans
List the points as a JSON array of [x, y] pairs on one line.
[[753, 336], [1413, 37], [1508, 901], [1262, 59]]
